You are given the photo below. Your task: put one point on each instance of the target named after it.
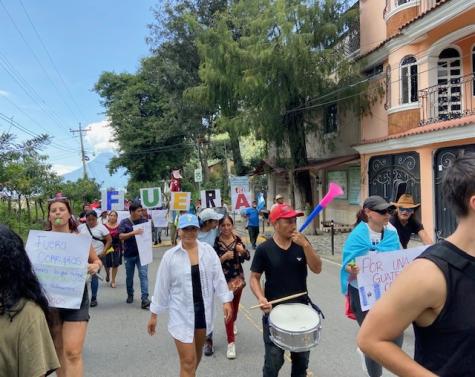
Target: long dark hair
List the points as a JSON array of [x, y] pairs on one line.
[[17, 279], [361, 216], [73, 225]]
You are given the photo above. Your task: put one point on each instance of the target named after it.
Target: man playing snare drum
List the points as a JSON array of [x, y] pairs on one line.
[[283, 259]]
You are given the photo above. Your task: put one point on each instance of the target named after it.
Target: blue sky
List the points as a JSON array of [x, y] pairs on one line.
[[83, 38]]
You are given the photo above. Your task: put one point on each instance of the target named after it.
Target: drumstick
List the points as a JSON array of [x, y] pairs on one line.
[[280, 300]]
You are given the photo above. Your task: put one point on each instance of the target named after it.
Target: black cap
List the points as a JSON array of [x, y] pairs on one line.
[[376, 203]]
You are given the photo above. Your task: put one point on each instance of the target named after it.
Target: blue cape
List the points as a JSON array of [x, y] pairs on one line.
[[359, 243]]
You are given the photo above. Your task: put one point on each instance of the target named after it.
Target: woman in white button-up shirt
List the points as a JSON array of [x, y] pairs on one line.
[[174, 292]]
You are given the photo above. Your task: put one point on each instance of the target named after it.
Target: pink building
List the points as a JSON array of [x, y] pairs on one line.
[[423, 53]]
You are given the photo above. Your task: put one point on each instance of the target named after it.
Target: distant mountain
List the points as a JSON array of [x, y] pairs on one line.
[[97, 169]]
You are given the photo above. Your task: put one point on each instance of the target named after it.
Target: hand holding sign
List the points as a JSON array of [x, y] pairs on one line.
[[60, 260], [143, 237]]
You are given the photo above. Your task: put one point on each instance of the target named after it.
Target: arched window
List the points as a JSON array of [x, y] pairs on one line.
[[409, 80]]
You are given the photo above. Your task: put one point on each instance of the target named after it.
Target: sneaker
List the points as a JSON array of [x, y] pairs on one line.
[[363, 359], [130, 299], [93, 302], [235, 329], [145, 303], [208, 348], [231, 354]]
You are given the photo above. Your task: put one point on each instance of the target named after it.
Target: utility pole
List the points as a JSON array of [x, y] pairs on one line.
[[81, 131]]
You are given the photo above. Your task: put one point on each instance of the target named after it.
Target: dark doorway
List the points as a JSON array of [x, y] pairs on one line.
[[392, 175], [445, 222]]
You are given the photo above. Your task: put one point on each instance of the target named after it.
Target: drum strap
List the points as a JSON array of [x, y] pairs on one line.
[[314, 306]]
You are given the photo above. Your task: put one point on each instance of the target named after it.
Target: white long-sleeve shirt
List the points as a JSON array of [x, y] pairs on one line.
[[173, 289]]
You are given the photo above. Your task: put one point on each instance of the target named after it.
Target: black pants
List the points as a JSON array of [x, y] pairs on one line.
[[274, 356], [253, 233]]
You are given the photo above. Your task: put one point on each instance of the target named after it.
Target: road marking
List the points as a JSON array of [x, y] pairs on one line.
[[247, 314]]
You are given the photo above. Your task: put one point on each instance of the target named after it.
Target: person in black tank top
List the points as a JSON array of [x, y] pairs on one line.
[[436, 293]]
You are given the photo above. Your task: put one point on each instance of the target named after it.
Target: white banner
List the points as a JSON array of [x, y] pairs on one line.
[[151, 197], [159, 218], [144, 243], [210, 198], [240, 193], [378, 271], [121, 215], [60, 262]]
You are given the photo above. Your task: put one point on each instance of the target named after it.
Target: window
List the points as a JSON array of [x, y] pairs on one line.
[[331, 122], [409, 80], [374, 70]]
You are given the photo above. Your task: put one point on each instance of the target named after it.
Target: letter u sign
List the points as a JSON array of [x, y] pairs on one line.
[[151, 197]]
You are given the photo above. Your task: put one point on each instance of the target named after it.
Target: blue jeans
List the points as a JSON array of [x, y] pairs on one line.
[[94, 286], [274, 356], [130, 264]]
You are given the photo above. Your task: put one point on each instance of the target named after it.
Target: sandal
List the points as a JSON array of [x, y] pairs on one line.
[[112, 285]]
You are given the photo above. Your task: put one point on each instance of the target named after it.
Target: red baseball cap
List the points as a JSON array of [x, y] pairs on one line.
[[283, 211]]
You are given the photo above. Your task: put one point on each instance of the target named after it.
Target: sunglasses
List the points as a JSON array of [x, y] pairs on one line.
[[384, 211], [408, 210]]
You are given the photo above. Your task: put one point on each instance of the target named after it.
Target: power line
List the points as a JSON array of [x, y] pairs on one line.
[[28, 132], [303, 108], [30, 92], [49, 56], [36, 58]]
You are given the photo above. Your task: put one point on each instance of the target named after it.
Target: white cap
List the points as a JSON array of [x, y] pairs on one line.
[[209, 214]]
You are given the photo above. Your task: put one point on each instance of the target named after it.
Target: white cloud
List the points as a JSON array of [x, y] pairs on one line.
[[99, 137], [4, 93], [61, 169]]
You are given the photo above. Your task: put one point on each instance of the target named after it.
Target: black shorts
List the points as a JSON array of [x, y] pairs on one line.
[[73, 315], [200, 318]]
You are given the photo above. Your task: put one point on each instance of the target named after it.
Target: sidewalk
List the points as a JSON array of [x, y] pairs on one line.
[[320, 242]]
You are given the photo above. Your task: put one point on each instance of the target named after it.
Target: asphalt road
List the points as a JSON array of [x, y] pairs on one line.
[[117, 343]]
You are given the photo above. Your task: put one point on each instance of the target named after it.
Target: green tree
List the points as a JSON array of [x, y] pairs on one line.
[[270, 58]]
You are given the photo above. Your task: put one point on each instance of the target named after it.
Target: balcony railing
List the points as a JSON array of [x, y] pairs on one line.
[[451, 100], [393, 4]]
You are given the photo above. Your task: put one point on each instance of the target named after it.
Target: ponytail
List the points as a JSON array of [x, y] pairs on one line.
[[361, 216]]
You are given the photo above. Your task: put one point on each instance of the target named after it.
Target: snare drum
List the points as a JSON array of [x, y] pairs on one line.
[[295, 327]]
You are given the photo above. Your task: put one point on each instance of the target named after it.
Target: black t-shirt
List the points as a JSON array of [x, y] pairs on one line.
[[446, 347], [285, 270], [405, 231], [130, 244]]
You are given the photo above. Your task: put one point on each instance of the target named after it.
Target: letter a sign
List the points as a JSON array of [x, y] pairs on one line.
[[151, 197]]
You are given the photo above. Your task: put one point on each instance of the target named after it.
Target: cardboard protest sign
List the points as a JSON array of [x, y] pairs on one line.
[[210, 198], [112, 200], [60, 262], [240, 193], [144, 243], [159, 218], [151, 197], [379, 270], [180, 201]]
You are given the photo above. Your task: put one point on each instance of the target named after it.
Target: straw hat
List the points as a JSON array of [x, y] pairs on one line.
[[406, 201]]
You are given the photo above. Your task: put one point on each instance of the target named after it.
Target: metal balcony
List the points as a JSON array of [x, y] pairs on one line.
[[448, 100]]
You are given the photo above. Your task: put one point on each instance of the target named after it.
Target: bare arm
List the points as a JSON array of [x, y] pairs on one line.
[[257, 290], [126, 236], [394, 312], [94, 262], [425, 238], [108, 243]]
